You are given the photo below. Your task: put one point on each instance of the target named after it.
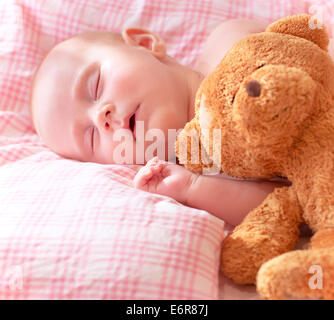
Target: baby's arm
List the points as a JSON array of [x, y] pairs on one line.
[[227, 199]]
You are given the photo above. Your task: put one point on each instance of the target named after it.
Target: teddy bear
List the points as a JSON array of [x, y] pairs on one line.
[[267, 110]]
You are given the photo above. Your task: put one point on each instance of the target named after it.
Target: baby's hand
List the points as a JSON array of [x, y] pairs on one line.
[[165, 178]]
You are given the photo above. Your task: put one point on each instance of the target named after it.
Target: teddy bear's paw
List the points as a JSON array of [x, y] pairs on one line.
[[252, 244], [300, 274], [233, 262], [243, 253]]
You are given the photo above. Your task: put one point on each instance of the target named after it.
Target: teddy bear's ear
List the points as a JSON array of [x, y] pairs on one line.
[[301, 26]]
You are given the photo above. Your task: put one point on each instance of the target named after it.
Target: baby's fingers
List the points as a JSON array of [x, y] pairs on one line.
[[145, 174], [142, 177]]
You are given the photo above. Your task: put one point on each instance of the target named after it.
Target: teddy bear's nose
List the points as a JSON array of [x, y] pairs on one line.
[[253, 88]]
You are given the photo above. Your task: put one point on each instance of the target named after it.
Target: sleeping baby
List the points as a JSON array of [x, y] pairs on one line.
[[101, 90]]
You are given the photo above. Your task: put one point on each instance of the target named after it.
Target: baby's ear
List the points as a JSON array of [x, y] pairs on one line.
[[146, 40], [301, 26]]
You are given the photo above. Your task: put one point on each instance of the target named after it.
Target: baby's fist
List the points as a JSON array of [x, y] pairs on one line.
[[165, 178]]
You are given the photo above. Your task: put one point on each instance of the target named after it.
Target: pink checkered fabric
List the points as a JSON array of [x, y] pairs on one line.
[[73, 230]]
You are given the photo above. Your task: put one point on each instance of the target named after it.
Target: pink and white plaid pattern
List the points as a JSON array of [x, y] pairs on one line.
[[72, 230], [78, 231]]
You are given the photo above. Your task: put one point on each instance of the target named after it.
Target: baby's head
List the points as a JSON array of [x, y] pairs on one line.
[[90, 86]]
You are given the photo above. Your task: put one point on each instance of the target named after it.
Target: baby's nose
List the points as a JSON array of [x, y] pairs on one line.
[[107, 118]]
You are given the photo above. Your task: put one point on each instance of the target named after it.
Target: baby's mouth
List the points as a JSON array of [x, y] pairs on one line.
[[132, 122]]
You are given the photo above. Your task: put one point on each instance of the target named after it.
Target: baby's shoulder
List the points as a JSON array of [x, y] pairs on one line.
[[221, 40]]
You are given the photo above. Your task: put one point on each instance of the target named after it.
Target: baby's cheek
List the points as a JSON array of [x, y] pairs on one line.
[[121, 81]]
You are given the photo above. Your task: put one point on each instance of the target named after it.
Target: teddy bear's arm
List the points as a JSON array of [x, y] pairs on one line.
[[268, 231]]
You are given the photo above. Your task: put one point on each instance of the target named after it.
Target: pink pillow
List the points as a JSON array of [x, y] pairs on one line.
[[71, 230]]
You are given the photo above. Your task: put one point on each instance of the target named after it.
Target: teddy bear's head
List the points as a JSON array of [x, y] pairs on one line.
[[254, 107]]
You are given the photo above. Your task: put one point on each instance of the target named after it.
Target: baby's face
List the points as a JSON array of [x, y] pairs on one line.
[[87, 89]]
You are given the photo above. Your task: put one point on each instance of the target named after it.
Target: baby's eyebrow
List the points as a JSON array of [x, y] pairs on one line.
[[82, 76]]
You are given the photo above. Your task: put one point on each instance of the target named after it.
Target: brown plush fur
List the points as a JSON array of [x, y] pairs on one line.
[[271, 98]]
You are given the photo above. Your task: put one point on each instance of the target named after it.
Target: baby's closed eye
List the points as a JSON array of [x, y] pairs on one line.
[[94, 84]]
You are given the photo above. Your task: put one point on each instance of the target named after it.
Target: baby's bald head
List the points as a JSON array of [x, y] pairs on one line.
[[91, 85], [60, 52]]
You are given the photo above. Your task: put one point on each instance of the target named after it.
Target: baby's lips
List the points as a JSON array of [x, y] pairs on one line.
[[131, 121], [137, 118]]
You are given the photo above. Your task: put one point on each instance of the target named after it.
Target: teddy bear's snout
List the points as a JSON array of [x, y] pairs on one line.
[[272, 103], [253, 88]]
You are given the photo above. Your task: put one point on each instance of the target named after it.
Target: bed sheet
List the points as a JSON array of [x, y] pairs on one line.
[[73, 230]]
